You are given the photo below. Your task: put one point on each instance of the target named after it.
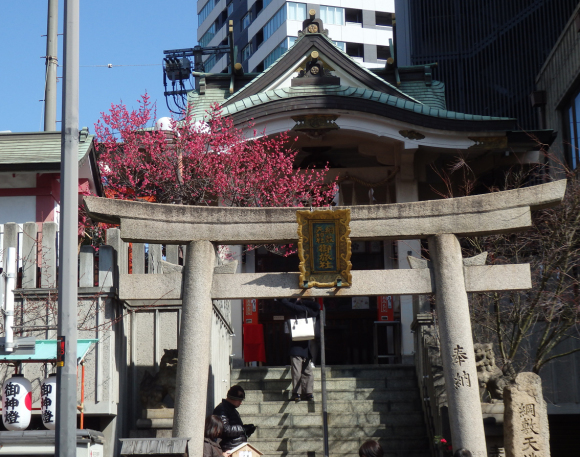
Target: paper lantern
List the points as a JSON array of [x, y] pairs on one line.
[[48, 401], [16, 402]]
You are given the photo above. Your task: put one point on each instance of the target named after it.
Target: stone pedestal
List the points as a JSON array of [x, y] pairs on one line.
[[194, 345], [457, 355], [525, 425]]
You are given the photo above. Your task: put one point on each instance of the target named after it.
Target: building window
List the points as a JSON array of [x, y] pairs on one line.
[[210, 63], [341, 45], [574, 132], [383, 52], [259, 38], [384, 19], [353, 16], [207, 36], [296, 11], [204, 13], [230, 8], [291, 41], [246, 20], [274, 24], [355, 49], [246, 52], [331, 15], [276, 53]]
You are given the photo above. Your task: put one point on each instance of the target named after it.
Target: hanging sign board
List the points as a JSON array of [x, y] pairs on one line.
[[385, 308], [324, 248], [251, 311]]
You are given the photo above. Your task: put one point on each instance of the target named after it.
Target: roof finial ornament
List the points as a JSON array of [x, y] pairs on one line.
[[312, 25]]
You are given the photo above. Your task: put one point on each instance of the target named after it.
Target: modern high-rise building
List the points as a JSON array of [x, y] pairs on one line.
[[488, 53], [265, 29]]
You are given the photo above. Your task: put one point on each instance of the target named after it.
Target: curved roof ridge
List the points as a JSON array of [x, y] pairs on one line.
[[332, 43], [355, 92]]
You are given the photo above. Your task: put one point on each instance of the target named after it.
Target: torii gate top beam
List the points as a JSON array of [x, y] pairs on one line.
[[466, 216]]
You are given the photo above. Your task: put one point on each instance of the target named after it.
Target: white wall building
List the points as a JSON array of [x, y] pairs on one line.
[[264, 29]]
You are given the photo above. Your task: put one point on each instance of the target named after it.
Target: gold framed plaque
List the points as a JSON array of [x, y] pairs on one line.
[[324, 248]]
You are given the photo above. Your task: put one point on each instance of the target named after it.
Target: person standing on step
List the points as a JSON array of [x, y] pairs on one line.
[[300, 356], [235, 432]]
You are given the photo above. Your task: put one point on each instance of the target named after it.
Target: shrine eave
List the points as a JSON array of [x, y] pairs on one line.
[[313, 98]]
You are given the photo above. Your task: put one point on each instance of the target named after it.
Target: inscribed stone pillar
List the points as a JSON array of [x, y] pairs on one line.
[[525, 425], [194, 345], [457, 352]]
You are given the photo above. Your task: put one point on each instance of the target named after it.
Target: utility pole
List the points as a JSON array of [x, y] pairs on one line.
[[66, 396], [51, 67]]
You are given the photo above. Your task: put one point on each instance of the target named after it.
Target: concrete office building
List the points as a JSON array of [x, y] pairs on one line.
[[488, 53], [265, 29]]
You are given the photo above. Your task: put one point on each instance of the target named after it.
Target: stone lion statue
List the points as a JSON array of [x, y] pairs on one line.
[[490, 377], [154, 389]]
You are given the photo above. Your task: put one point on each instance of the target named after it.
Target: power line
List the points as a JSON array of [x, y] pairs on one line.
[[110, 65]]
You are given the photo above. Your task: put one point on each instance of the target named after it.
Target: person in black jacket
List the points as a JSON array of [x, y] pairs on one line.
[[235, 432], [300, 356]]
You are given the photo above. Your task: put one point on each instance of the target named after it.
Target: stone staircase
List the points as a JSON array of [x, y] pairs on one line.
[[364, 402]]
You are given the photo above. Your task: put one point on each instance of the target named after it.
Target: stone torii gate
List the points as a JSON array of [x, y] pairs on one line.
[[448, 276]]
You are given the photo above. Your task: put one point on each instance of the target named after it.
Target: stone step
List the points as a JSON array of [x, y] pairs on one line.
[[255, 396], [395, 383], [401, 420], [336, 406], [342, 445], [151, 433], [307, 420], [338, 371], [339, 453], [336, 432]]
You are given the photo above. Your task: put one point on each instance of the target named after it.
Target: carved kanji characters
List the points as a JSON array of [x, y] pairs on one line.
[[528, 425], [462, 380], [459, 355], [530, 442], [527, 410]]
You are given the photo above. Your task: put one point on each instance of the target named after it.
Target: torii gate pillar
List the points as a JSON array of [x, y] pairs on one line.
[[194, 344], [457, 352]]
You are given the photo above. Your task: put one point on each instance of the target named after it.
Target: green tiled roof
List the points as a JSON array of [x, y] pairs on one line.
[[353, 92], [433, 95], [36, 148], [202, 103]]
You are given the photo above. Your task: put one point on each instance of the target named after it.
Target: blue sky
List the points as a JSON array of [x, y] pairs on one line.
[[129, 34]]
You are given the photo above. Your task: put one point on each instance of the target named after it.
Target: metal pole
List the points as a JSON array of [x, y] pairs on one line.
[[66, 397], [51, 66], [10, 269], [323, 381]]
